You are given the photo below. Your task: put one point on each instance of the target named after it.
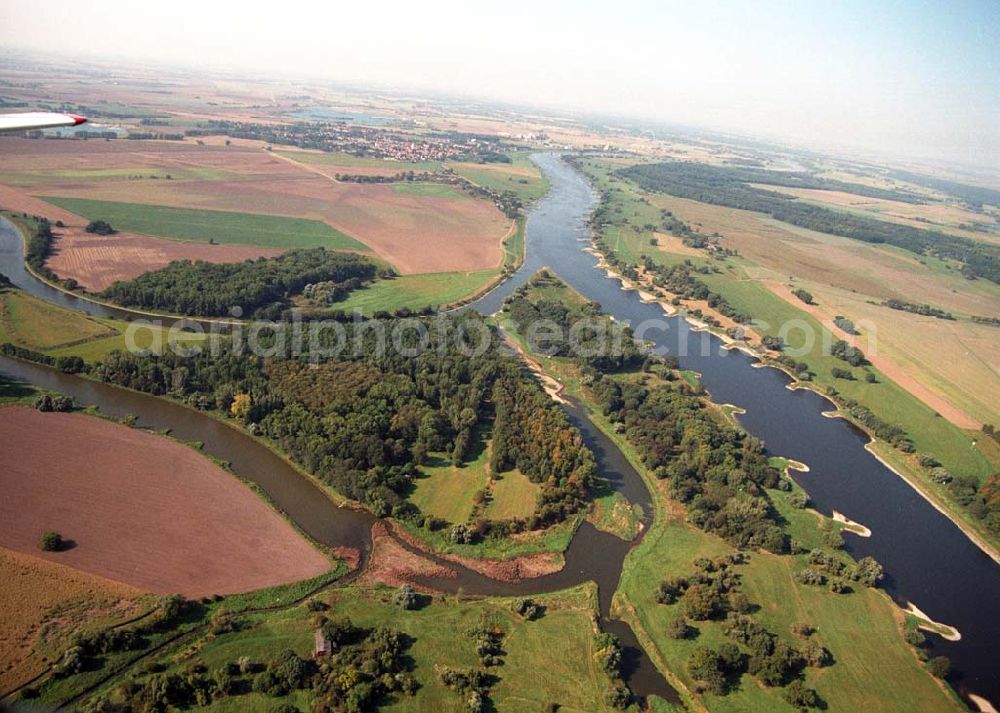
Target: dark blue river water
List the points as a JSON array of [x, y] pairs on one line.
[[927, 559]]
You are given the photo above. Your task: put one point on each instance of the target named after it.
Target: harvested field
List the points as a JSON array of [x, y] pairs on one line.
[[414, 233], [902, 374], [952, 366], [140, 509], [97, 261], [935, 215], [42, 604], [879, 272]]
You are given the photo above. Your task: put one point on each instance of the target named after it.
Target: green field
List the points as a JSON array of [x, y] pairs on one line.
[[90, 175], [874, 668], [224, 227], [447, 491], [29, 322], [416, 291], [512, 495], [520, 176], [433, 190], [863, 663]]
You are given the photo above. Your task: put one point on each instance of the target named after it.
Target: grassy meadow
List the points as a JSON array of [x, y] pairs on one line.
[[416, 291], [548, 660], [520, 176], [31, 323], [223, 227], [512, 495], [448, 491]]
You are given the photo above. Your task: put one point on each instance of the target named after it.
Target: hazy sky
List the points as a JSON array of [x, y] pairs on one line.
[[915, 77]]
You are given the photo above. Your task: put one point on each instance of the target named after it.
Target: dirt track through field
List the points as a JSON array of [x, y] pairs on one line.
[[141, 509]]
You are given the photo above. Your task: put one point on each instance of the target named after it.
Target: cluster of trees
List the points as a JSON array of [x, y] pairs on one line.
[[51, 542], [982, 500], [259, 287], [401, 177], [823, 568], [924, 310], [65, 364], [472, 685], [731, 187], [852, 355], [366, 422], [845, 324], [39, 246], [87, 650], [595, 340], [608, 652], [803, 295], [763, 655], [531, 434], [719, 471], [49, 402], [712, 591], [100, 227], [889, 432]]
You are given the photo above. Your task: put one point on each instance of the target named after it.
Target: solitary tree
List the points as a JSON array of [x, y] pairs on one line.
[[51, 542]]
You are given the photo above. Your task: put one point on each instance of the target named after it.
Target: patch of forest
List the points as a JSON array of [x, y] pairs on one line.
[[260, 288], [366, 420]]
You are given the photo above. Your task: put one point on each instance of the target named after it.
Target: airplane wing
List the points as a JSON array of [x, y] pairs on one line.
[[38, 120]]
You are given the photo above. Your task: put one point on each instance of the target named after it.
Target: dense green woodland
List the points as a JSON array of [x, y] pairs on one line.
[[366, 423], [260, 287], [730, 187]]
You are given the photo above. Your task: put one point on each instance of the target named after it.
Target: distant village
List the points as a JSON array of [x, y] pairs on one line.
[[361, 140]]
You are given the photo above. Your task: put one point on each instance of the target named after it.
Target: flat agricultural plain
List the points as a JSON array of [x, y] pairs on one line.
[[97, 261], [140, 509], [952, 364], [415, 232]]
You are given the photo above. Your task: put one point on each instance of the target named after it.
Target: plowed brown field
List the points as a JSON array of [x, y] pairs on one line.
[[140, 509]]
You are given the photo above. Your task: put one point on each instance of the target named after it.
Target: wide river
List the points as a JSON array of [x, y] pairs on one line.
[[928, 560]]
